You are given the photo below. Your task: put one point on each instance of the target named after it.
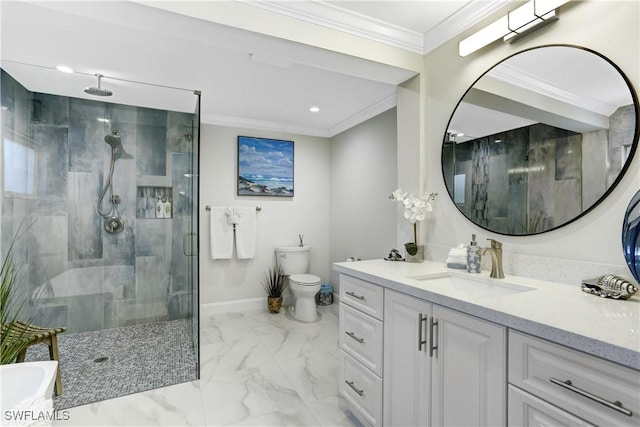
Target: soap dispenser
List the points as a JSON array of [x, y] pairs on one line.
[[159, 208], [473, 256]]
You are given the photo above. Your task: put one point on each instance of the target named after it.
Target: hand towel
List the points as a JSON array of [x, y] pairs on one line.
[[221, 234], [246, 232], [233, 215]]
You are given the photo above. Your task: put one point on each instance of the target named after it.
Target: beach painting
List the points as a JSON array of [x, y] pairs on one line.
[[265, 167]]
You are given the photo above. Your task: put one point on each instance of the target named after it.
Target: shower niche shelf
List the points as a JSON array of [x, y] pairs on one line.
[[154, 202]]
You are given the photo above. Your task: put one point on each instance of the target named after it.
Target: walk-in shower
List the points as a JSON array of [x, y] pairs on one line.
[[98, 259], [113, 223]]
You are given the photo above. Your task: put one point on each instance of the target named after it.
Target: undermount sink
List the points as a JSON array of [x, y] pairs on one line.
[[480, 287]]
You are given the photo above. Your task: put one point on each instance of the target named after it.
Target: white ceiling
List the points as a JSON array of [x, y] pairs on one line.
[[246, 79]]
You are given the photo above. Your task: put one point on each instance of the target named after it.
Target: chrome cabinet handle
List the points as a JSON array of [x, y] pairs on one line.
[[433, 324], [616, 406], [353, 294], [421, 341], [350, 384], [355, 337]]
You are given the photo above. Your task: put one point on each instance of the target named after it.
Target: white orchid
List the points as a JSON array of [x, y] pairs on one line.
[[415, 209]]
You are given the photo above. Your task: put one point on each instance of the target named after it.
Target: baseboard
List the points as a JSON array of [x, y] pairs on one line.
[[253, 304]]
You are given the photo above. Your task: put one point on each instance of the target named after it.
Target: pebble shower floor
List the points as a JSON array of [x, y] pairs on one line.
[[138, 358]]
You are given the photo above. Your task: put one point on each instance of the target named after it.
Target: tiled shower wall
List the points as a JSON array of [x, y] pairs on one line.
[[75, 273]]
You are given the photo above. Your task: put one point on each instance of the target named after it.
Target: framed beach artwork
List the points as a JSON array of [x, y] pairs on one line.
[[265, 167]]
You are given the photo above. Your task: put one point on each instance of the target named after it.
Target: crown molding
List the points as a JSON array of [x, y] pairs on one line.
[[242, 122], [456, 24], [364, 115], [346, 21], [354, 120]]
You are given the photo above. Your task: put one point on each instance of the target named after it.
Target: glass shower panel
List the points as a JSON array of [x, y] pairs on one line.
[[108, 188], [194, 249]]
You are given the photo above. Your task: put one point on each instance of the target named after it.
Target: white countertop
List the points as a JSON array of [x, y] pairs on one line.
[[560, 313]]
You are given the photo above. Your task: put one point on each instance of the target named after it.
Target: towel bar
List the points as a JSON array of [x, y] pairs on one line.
[[258, 208]]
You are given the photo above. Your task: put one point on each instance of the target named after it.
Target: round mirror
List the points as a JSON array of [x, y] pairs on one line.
[[540, 139]]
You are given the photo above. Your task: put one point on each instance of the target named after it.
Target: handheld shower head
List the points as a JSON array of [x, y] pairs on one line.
[[113, 139], [98, 91]]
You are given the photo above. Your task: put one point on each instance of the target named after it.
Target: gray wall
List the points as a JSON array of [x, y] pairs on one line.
[[363, 175]]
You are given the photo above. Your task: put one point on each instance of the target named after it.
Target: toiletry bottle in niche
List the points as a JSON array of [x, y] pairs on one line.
[[473, 256], [167, 208], [159, 209]]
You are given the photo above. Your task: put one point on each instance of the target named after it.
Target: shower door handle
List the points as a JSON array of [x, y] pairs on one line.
[[185, 245]]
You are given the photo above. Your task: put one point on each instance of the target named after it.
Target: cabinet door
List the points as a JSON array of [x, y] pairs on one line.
[[406, 361], [468, 371]]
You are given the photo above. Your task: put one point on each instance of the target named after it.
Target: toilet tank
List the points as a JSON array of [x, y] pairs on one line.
[[293, 259]]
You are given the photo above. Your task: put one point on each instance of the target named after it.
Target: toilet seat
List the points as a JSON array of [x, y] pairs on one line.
[[304, 280]]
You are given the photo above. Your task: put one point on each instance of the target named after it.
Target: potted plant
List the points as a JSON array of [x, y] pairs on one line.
[[274, 284], [11, 342], [415, 210]]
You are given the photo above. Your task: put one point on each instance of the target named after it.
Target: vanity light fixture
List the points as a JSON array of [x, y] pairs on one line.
[[522, 20], [64, 69], [314, 109]]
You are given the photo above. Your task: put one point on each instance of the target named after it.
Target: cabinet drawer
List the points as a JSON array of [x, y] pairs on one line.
[[527, 410], [363, 295], [361, 336], [362, 390], [584, 385]]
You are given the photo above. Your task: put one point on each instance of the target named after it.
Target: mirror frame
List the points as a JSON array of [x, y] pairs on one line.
[[613, 185]]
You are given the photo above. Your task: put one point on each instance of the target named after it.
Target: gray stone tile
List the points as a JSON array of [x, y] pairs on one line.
[[151, 131], [85, 226]]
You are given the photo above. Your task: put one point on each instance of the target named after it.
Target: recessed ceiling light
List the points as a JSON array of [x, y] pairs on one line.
[[314, 109], [101, 119], [64, 69]]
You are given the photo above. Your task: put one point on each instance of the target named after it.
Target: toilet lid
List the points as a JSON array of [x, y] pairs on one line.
[[304, 279]]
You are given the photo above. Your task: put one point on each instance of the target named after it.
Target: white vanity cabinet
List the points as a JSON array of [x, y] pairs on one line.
[[407, 365], [361, 340], [553, 385], [441, 367]]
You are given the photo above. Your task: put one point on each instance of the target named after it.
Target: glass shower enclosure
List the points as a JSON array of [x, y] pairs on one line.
[[103, 193]]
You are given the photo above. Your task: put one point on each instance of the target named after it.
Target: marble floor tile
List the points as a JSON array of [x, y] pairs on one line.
[[232, 356], [314, 376], [275, 323], [240, 395], [332, 411], [178, 405], [224, 327], [293, 345], [295, 417]]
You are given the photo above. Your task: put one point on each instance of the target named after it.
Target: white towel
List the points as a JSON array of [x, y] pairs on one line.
[[221, 234], [246, 233], [233, 215]]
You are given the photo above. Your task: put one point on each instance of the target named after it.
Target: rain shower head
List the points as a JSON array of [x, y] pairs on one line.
[[113, 139], [98, 91]]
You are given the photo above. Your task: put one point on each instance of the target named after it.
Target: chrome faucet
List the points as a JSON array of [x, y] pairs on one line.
[[496, 258]]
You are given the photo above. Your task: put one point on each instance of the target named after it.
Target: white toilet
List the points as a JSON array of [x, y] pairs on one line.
[[294, 261]]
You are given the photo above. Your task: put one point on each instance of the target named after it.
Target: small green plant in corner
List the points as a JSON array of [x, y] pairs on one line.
[[274, 284], [12, 343]]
